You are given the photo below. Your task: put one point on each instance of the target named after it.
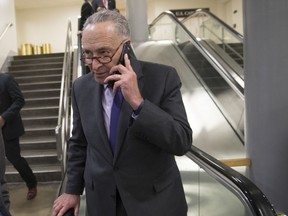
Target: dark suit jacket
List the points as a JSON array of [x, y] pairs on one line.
[[11, 102], [86, 11], [143, 168]]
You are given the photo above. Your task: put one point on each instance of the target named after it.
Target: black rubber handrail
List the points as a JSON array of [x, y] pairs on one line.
[[245, 189]]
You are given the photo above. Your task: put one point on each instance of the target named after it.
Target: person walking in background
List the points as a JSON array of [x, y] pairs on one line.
[[11, 102], [87, 9], [105, 4], [128, 123], [98, 5], [4, 194], [109, 4]]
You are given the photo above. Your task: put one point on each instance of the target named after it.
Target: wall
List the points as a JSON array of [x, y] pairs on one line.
[[155, 8], [266, 101], [8, 43], [48, 25]]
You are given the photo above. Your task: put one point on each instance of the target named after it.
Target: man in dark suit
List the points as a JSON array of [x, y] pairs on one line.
[[11, 102], [87, 10], [138, 176]]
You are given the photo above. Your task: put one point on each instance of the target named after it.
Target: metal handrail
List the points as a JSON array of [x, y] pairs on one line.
[[5, 30], [62, 130]]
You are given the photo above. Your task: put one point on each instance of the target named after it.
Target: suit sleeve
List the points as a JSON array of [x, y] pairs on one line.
[[17, 100], [76, 153], [165, 124]]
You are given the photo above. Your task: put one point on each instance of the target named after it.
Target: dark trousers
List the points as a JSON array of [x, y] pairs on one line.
[[13, 154]]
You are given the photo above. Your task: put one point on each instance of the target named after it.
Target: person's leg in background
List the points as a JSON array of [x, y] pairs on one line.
[[12, 149]]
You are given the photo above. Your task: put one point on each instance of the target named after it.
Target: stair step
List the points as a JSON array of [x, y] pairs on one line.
[[35, 57], [43, 173], [35, 66], [29, 143], [39, 78], [39, 156], [40, 85], [50, 121], [43, 72], [40, 111], [39, 93], [42, 102], [39, 132], [38, 60]]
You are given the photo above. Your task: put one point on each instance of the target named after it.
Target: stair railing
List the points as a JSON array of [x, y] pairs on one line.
[[62, 129], [5, 30]]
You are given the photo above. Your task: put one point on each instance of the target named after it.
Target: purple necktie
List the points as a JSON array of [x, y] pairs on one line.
[[115, 112]]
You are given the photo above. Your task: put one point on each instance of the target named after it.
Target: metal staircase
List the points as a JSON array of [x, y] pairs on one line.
[[39, 78]]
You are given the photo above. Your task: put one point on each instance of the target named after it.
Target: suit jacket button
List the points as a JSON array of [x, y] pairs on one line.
[[116, 168]]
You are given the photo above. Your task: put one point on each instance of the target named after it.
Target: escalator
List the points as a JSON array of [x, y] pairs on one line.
[[226, 42], [217, 72], [211, 188]]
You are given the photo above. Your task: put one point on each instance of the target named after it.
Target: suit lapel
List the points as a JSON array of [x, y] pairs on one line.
[[103, 144]]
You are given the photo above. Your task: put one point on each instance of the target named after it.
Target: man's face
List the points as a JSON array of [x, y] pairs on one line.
[[101, 40]]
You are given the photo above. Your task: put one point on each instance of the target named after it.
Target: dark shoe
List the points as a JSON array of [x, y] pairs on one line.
[[32, 192]]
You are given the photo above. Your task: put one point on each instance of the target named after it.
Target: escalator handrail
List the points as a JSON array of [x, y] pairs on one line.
[[247, 190], [237, 35], [215, 18], [236, 84]]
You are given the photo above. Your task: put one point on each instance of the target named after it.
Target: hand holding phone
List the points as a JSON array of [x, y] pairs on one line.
[[127, 49]]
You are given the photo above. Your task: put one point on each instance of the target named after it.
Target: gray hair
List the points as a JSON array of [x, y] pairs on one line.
[[120, 22]]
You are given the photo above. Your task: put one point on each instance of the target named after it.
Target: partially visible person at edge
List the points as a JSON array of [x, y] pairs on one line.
[[4, 194], [139, 176], [11, 102]]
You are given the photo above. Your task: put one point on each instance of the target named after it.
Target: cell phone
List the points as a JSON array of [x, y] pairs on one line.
[[127, 49]]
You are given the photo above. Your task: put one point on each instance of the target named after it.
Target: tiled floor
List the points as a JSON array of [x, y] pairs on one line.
[[40, 206]]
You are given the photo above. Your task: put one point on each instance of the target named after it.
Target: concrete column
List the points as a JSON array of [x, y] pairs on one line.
[[136, 13], [266, 94]]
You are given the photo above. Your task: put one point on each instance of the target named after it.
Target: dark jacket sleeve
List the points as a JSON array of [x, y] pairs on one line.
[[86, 11], [12, 101], [15, 100]]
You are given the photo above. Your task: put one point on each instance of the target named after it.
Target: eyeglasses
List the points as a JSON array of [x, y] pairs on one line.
[[88, 58]]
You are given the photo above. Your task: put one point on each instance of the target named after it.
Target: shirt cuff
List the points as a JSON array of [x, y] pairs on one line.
[[136, 112]]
